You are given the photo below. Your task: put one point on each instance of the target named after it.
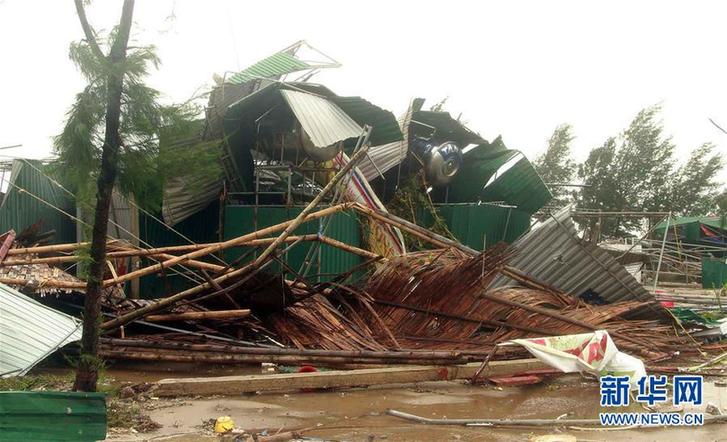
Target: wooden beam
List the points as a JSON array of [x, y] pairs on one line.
[[235, 385]]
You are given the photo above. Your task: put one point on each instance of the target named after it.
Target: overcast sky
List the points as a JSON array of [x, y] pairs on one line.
[[516, 68]]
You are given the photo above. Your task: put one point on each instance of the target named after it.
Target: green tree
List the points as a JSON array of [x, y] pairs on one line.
[[721, 203], [630, 172], [636, 172], [555, 165], [103, 96], [695, 188], [111, 136]]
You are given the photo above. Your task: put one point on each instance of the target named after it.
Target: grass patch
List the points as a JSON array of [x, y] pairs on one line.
[[121, 413], [128, 415], [41, 382]]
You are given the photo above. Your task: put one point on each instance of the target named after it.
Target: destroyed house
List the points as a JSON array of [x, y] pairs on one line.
[[276, 138]]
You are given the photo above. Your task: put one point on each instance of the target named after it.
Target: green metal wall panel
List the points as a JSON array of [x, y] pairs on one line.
[[470, 223], [201, 228], [52, 416], [344, 227], [474, 225], [19, 209], [714, 273], [519, 185]]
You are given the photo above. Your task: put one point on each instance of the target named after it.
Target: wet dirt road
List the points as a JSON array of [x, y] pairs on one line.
[[358, 415]]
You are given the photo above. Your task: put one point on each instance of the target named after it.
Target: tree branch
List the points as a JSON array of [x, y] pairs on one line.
[[88, 30]]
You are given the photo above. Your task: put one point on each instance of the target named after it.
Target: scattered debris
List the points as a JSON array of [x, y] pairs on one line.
[[302, 267]]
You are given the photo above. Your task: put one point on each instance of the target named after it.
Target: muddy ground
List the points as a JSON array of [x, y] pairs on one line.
[[358, 415]]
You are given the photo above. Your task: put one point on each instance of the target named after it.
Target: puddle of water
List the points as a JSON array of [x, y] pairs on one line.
[[357, 414]]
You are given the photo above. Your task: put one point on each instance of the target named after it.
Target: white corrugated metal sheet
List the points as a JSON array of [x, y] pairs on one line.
[[186, 195], [553, 253], [387, 156], [190, 191], [635, 270], [323, 121], [30, 331]]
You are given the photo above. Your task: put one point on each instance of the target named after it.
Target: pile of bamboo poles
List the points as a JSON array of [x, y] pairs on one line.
[[435, 299]]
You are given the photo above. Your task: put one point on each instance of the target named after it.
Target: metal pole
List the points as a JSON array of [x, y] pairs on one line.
[[661, 254]]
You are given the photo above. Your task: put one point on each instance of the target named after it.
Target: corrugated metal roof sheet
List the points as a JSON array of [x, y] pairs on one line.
[[188, 193], [519, 185], [30, 331], [385, 127], [271, 67], [387, 156], [448, 127], [554, 254], [19, 209], [479, 165], [323, 121]]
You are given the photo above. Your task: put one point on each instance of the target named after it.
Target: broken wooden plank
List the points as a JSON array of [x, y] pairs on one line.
[[234, 385]]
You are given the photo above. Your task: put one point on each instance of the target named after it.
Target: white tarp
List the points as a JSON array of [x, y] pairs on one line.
[[30, 331], [590, 352]]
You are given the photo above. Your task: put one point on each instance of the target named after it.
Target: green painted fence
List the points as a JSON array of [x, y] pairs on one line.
[[714, 272], [31, 197], [52, 416], [344, 227], [471, 224]]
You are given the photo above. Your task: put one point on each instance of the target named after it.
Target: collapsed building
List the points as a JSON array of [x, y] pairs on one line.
[[409, 250]]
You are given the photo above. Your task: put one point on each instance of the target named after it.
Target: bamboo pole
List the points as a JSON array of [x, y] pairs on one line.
[[640, 347], [288, 227], [414, 229], [153, 253], [54, 283], [216, 247], [349, 248], [355, 159], [661, 253], [488, 423], [172, 249], [441, 241], [235, 349], [194, 316], [53, 248], [494, 323], [47, 260], [206, 357]]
